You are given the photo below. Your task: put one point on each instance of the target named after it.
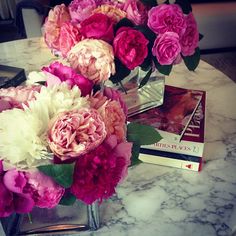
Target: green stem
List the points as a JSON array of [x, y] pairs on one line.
[[30, 218]]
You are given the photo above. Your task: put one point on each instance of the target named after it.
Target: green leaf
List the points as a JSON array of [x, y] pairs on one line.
[[192, 61], [185, 5], [145, 79], [201, 36], [142, 134], [121, 72], [135, 154], [61, 173], [68, 199], [164, 69], [151, 3]]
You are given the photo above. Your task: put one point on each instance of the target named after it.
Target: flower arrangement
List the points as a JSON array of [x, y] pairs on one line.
[[106, 39], [63, 141]]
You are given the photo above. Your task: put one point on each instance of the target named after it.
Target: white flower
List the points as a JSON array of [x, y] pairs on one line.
[[23, 142], [34, 77]]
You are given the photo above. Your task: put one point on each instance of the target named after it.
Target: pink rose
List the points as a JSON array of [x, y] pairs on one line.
[[81, 9], [166, 48], [57, 73], [69, 36], [112, 115], [75, 133], [93, 59], [189, 41], [15, 97], [98, 172], [98, 26], [167, 17], [56, 17], [130, 46], [136, 11]]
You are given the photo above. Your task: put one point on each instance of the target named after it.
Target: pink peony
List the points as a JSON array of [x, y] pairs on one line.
[[189, 41], [69, 36], [57, 73], [15, 97], [130, 46], [167, 17], [166, 48], [136, 11], [111, 11], [75, 133], [93, 58], [56, 17], [98, 173], [45, 192], [112, 114], [81, 9], [98, 26]]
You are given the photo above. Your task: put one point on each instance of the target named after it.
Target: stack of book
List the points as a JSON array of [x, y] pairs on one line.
[[181, 123]]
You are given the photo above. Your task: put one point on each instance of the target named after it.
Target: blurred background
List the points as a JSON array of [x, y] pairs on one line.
[[216, 19]]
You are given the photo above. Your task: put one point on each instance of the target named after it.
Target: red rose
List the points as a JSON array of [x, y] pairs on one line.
[[98, 26], [130, 46]]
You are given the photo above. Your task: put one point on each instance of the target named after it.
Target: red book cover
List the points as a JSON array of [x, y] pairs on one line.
[[192, 141], [172, 118]]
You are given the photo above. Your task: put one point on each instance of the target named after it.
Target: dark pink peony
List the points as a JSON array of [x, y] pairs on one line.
[[167, 18], [189, 41], [69, 36], [98, 26], [136, 11], [167, 48], [130, 46], [98, 173], [57, 73]]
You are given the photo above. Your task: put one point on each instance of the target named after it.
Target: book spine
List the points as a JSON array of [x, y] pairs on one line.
[[184, 147], [171, 159]]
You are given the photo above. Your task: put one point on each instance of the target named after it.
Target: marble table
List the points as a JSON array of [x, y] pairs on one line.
[[157, 200]]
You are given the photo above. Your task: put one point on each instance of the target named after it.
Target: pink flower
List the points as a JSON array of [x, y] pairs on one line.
[[189, 41], [112, 115], [75, 133], [81, 9], [98, 26], [93, 58], [167, 17], [166, 48], [69, 36], [15, 97], [114, 94], [56, 17], [98, 173], [57, 73], [130, 46], [45, 192], [136, 11]]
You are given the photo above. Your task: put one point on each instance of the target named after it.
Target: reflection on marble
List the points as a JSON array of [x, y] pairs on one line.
[[156, 200]]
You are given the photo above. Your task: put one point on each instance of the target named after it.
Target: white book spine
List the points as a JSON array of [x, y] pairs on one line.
[[171, 162], [183, 147]]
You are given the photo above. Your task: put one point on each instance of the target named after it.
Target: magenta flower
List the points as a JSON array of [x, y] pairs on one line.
[[57, 73], [98, 173], [166, 48], [167, 18]]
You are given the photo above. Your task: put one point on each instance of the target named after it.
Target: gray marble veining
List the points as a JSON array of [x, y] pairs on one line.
[[157, 200]]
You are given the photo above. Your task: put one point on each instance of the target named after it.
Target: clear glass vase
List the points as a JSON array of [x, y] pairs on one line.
[[61, 219], [139, 99]]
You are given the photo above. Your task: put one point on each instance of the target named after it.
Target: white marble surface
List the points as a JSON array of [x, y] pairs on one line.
[[156, 200]]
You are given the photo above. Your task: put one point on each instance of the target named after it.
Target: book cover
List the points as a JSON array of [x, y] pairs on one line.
[[172, 118], [176, 160], [192, 141], [11, 76]]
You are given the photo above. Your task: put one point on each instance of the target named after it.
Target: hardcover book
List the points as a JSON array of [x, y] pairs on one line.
[[172, 118], [192, 142], [182, 161], [11, 76]]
